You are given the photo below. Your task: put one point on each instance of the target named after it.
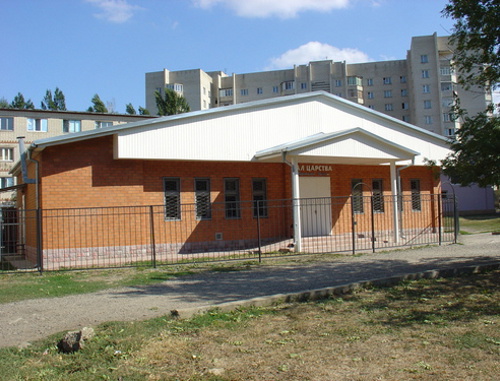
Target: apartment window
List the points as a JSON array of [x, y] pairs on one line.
[[445, 70], [370, 95], [6, 154], [6, 124], [303, 85], [402, 79], [6, 182], [103, 124], [387, 80], [416, 204], [357, 195], [289, 85], [259, 196], [177, 87], [428, 119], [404, 106], [259, 90], [404, 92], [72, 125], [202, 199], [389, 107], [369, 81], [244, 92], [427, 104], [36, 125], [378, 196], [371, 107], [450, 132], [232, 198], [338, 83], [424, 58], [172, 189], [226, 93], [446, 117], [406, 118], [354, 81], [387, 93], [276, 89], [425, 74], [426, 89], [446, 86]]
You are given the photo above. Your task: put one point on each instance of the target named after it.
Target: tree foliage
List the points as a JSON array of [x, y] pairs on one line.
[[56, 102], [143, 111], [98, 105], [20, 103], [476, 41], [129, 109], [171, 104], [4, 103]]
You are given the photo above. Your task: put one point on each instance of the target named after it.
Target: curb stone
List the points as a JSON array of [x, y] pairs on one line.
[[324, 293]]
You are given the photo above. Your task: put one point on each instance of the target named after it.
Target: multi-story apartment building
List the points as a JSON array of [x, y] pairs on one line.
[[39, 124], [419, 89]]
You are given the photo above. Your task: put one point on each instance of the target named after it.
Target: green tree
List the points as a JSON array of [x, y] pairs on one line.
[[4, 103], [56, 102], [476, 43], [20, 103], [143, 111], [171, 104], [129, 109], [98, 105]]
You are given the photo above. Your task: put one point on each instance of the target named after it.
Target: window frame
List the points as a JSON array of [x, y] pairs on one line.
[[68, 122], [37, 125], [6, 154], [232, 200], [203, 204], [259, 195], [416, 196], [357, 196], [6, 123], [378, 195], [172, 199]]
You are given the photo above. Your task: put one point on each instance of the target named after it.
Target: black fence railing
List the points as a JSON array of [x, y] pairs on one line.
[[157, 235]]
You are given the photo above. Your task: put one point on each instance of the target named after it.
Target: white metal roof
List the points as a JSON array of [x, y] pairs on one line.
[[240, 132]]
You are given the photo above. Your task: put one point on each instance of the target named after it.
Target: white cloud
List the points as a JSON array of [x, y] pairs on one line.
[[280, 8], [116, 11], [316, 51]]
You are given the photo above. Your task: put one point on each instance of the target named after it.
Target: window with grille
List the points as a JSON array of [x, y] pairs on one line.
[[357, 195], [232, 198], [202, 199], [259, 195], [172, 189], [378, 197], [416, 203]]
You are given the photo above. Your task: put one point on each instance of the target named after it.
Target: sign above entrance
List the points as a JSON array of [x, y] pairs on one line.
[[314, 170]]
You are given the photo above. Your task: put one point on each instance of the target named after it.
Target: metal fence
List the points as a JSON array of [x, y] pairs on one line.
[[82, 238]]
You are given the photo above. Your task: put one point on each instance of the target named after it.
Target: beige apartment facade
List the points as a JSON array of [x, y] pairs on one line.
[[39, 124], [419, 89]]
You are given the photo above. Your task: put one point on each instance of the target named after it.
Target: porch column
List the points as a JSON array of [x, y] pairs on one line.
[[395, 209], [297, 229]]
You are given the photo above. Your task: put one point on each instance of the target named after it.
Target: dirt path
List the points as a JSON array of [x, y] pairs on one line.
[[24, 321]]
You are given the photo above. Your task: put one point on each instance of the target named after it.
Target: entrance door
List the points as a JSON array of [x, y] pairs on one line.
[[315, 206]]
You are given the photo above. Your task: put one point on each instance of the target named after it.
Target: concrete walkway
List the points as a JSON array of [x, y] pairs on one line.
[[22, 322]]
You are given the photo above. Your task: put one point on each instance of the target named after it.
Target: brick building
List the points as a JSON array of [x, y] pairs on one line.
[[306, 146]]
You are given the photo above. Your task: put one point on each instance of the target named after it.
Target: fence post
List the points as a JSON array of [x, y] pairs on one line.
[[456, 221], [39, 241], [373, 225], [152, 235], [353, 226], [258, 231], [440, 212]]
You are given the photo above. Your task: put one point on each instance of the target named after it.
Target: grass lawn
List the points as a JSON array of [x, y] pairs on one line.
[[445, 329], [480, 224]]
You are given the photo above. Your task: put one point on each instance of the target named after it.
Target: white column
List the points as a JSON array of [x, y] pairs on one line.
[[297, 229], [395, 209]]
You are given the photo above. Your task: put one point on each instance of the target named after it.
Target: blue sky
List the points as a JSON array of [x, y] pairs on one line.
[[86, 47]]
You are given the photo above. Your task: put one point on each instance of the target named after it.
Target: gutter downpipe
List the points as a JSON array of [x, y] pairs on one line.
[[24, 168], [398, 228], [297, 228]]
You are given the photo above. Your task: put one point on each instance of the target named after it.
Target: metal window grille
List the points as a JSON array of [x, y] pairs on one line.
[[416, 203], [232, 198], [202, 198], [357, 195], [378, 197], [172, 198], [259, 190]]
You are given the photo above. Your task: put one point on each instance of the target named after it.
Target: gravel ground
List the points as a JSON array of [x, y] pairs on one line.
[[22, 322]]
